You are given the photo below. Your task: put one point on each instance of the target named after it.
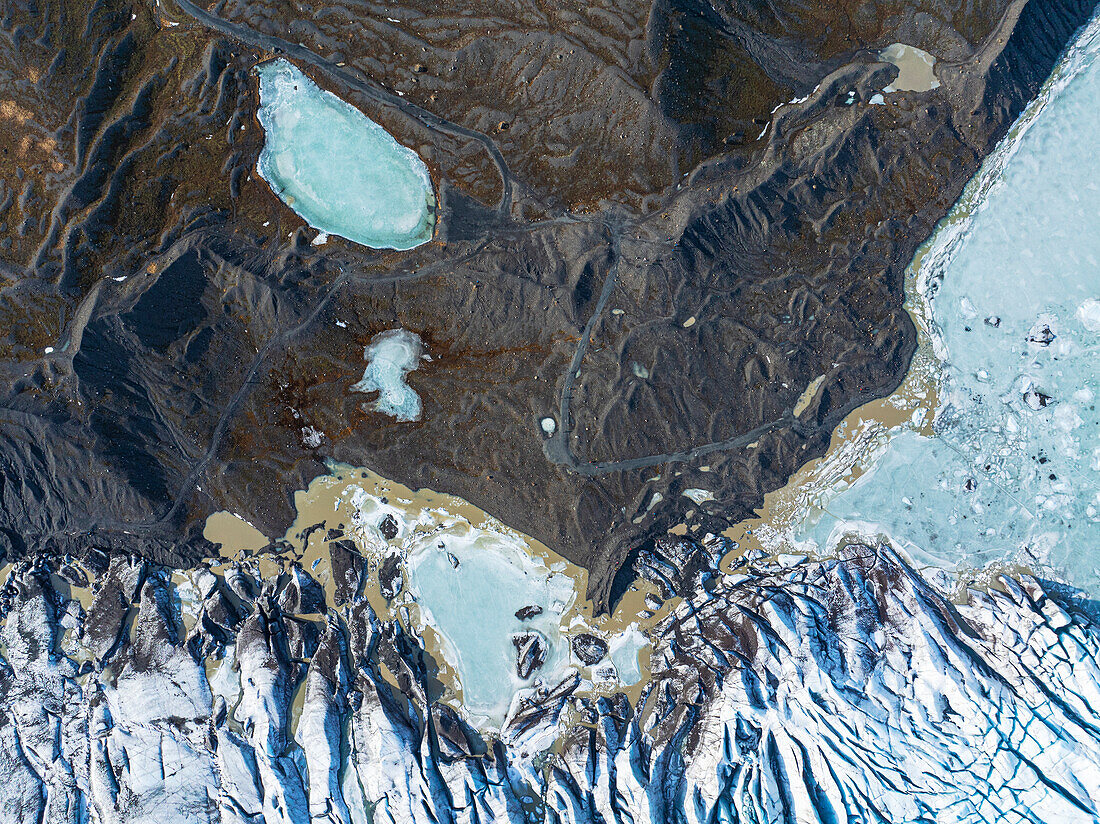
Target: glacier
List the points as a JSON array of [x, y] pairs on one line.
[[842, 690]]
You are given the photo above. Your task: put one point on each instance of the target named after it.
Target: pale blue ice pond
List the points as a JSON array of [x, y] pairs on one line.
[[390, 356], [1013, 471], [470, 588], [339, 170]]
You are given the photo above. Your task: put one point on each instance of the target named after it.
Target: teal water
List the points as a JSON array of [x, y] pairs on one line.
[[473, 605], [339, 170], [1013, 472]]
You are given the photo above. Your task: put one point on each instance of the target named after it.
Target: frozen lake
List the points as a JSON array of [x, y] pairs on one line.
[[1011, 470], [339, 170]]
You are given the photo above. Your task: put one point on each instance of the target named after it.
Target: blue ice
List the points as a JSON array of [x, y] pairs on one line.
[[339, 170], [390, 356]]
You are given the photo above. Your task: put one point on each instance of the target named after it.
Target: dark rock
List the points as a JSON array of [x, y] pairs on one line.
[[528, 612], [390, 581], [301, 595], [72, 575], [456, 739], [1041, 334], [103, 629], [389, 527], [531, 650], [589, 648], [1036, 400], [301, 638]]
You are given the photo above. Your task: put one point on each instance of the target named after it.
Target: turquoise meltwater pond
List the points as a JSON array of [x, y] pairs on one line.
[[339, 170]]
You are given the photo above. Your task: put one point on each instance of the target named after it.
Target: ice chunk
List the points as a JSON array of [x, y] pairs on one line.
[[339, 170], [390, 357], [1088, 313]]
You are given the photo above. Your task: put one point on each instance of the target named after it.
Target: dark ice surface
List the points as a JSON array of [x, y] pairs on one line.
[[633, 242]]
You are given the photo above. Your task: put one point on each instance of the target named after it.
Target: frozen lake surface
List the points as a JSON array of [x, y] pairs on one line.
[[1012, 472], [390, 356], [339, 170]]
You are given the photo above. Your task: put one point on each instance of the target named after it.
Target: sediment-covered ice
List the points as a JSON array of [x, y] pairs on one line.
[[339, 170]]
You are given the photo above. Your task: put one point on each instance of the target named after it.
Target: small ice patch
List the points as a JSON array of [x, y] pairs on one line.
[[390, 357], [877, 99], [549, 425], [699, 496], [1089, 314]]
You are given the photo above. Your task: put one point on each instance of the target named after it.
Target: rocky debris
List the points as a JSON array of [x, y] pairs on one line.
[[106, 617], [742, 193], [1036, 399], [389, 527], [531, 649], [590, 649], [301, 638], [528, 612], [390, 580]]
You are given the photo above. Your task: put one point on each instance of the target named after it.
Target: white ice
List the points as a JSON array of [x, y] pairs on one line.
[[390, 357]]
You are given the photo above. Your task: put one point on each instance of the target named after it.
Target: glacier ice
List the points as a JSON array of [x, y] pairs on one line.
[[846, 690], [339, 170]]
